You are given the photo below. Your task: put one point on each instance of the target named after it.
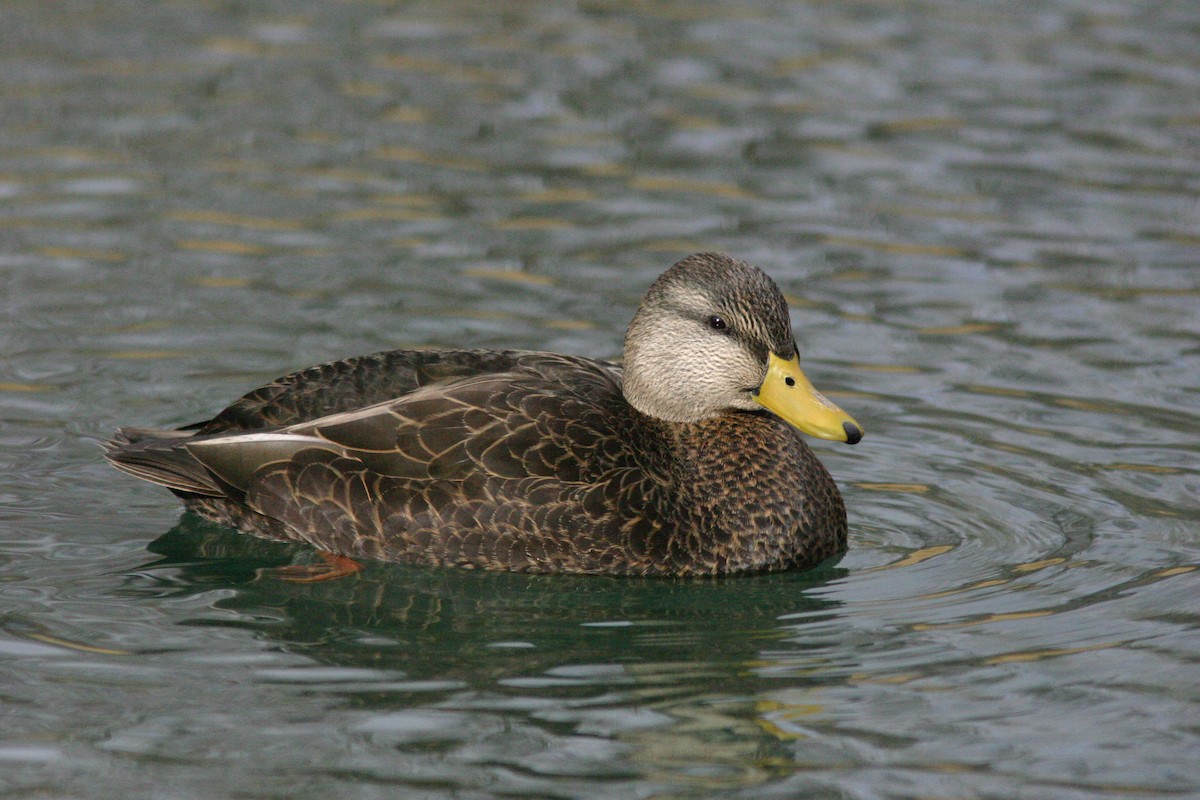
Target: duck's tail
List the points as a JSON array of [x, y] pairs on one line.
[[159, 456]]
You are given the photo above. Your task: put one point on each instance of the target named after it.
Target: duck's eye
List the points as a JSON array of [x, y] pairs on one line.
[[716, 323]]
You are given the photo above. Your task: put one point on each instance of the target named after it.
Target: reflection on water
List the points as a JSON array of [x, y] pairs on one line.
[[431, 608], [985, 220], [595, 677]]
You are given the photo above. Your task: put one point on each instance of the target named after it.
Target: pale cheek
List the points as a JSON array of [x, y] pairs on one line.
[[741, 374], [749, 371]]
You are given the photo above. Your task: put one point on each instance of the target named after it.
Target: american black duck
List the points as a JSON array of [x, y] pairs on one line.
[[686, 461]]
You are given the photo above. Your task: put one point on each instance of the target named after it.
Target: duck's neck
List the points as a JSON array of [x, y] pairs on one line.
[[656, 397]]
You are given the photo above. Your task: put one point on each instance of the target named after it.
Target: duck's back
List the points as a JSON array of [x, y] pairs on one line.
[[353, 383]]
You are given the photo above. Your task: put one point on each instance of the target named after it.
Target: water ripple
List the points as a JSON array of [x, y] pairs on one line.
[[985, 223]]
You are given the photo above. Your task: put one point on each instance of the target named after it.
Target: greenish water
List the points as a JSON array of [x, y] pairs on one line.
[[987, 220]]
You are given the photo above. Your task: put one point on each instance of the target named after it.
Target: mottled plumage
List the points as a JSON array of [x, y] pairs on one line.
[[533, 461]]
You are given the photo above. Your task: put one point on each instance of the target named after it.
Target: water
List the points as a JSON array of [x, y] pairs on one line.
[[986, 219]]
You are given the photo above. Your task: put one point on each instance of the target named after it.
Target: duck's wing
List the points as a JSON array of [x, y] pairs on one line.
[[517, 469], [354, 383], [547, 416]]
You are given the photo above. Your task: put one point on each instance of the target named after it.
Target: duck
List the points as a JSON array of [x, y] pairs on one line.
[[684, 459]]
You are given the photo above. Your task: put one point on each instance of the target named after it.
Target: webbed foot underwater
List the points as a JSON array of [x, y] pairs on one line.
[[684, 460]]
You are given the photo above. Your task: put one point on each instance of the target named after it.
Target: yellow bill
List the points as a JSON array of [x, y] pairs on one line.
[[787, 393]]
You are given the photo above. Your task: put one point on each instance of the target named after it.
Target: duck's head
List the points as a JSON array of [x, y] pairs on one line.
[[713, 334]]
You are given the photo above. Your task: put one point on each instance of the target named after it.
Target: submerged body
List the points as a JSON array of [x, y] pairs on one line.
[[534, 461]]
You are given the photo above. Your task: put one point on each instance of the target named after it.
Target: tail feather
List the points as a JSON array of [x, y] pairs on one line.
[[158, 456]]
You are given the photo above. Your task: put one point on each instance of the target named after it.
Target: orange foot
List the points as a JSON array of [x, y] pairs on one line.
[[335, 566]]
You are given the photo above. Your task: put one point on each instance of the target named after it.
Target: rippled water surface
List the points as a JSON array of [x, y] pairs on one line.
[[986, 218]]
